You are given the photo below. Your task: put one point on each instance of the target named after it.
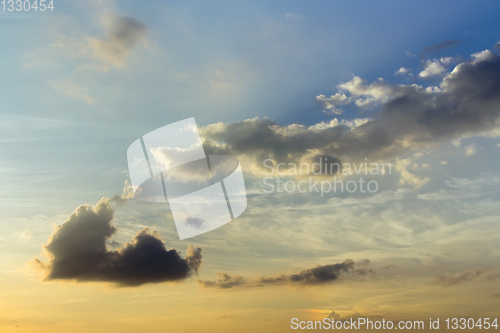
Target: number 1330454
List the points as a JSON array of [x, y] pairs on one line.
[[26, 5]]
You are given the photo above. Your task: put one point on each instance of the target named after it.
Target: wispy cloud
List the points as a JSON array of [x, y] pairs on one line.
[[318, 275], [123, 35], [441, 46], [292, 16], [482, 274]]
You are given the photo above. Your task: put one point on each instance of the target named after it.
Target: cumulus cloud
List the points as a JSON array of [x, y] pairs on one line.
[[77, 251], [318, 275], [331, 103], [432, 68], [408, 117], [404, 71]]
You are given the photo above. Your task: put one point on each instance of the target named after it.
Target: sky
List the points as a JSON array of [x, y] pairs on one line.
[[403, 96]]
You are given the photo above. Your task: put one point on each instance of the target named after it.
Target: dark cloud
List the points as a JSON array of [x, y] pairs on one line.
[[77, 251], [406, 118], [451, 280], [319, 275], [364, 271], [312, 276], [441, 46], [195, 222], [225, 281], [355, 315], [363, 268]]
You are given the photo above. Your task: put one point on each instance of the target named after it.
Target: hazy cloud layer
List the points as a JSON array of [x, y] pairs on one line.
[[121, 36], [441, 46], [483, 274], [124, 34], [407, 117], [91, 52], [356, 315], [318, 275], [77, 251]]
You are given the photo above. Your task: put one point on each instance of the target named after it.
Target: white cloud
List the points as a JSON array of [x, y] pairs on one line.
[[404, 71], [470, 150], [483, 56], [408, 178], [447, 60], [292, 16], [432, 68], [331, 103], [363, 94]]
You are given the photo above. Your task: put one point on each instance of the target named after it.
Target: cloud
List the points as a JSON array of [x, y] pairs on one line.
[[77, 251], [121, 36], [441, 46], [406, 177], [407, 117], [483, 274], [404, 71], [356, 315], [470, 149], [73, 90], [318, 275], [127, 193], [124, 34], [225, 281], [195, 221], [432, 68], [292, 16], [331, 103], [90, 53]]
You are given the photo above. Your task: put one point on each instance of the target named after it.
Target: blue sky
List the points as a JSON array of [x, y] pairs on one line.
[[275, 65], [67, 114], [217, 62]]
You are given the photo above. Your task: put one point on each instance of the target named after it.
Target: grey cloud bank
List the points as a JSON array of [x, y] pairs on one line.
[[465, 103]]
